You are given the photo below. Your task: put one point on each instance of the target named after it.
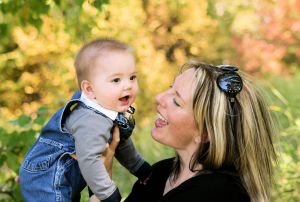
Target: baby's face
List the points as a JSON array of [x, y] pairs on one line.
[[114, 80]]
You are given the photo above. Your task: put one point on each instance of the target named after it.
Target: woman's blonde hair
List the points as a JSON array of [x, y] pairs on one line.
[[239, 135]]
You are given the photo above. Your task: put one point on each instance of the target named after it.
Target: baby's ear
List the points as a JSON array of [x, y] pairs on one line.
[[87, 89]]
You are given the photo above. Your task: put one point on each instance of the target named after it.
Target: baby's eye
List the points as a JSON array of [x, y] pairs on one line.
[[133, 77], [116, 80]]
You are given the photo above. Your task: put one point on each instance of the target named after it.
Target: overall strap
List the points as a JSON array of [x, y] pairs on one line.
[[67, 109]]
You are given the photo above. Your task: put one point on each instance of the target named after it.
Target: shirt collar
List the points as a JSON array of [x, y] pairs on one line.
[[94, 104]]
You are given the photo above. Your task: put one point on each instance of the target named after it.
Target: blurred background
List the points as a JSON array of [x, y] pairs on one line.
[[39, 39]]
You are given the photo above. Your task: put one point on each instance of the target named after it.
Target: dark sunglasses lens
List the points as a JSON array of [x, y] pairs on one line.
[[230, 83]]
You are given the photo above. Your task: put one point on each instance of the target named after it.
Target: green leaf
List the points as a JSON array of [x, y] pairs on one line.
[[2, 159], [11, 6], [2, 131], [39, 7], [99, 3], [79, 2], [12, 161], [211, 11], [40, 120], [22, 120], [37, 22], [4, 29], [43, 110], [42, 115], [57, 2]]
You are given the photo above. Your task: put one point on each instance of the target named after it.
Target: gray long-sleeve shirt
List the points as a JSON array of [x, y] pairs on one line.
[[91, 132]]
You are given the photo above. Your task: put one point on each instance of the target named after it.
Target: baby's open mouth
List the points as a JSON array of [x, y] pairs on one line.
[[125, 98]]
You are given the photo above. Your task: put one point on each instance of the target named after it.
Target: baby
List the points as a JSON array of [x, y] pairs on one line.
[[107, 78]]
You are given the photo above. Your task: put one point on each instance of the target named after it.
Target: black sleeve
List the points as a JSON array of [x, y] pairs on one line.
[[115, 197], [153, 190], [143, 172]]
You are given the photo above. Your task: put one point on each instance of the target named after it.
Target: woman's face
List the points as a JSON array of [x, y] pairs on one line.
[[175, 125]]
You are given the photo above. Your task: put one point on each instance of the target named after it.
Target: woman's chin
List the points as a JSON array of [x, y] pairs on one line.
[[155, 133]]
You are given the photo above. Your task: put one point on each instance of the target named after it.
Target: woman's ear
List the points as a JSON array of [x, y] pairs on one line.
[[87, 89], [197, 139]]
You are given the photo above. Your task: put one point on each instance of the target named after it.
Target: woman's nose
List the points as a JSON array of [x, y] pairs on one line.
[[160, 99]]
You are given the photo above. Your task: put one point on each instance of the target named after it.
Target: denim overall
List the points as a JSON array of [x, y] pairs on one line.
[[48, 173]]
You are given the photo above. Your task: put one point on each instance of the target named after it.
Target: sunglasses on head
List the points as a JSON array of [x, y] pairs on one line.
[[229, 81]]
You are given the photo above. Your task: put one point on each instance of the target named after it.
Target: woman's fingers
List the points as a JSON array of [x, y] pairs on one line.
[[93, 198], [115, 139], [17, 179], [108, 154]]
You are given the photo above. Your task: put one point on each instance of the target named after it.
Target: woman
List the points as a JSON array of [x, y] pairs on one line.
[[221, 130]]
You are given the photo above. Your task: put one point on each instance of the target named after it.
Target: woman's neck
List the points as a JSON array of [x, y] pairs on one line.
[[185, 172], [185, 159]]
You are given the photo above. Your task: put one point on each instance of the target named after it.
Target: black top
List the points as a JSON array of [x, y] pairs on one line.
[[208, 186]]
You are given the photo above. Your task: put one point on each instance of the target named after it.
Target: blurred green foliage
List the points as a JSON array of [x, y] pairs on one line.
[[286, 108], [39, 39], [14, 143]]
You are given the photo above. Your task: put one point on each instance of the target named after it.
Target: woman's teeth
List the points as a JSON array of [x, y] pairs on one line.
[[160, 122], [162, 118]]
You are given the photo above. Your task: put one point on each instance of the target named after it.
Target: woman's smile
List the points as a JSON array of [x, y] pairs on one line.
[[160, 121]]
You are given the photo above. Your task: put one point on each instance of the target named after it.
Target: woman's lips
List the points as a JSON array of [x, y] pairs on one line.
[[160, 121]]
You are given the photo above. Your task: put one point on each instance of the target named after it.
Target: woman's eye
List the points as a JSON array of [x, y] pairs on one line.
[[176, 103], [133, 77], [116, 80]]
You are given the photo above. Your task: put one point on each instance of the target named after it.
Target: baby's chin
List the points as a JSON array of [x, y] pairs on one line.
[[122, 108]]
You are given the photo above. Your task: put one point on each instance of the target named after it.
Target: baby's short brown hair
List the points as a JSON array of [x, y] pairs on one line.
[[87, 55]]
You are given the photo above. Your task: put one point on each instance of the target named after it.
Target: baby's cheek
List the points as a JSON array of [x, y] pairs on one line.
[[135, 92]]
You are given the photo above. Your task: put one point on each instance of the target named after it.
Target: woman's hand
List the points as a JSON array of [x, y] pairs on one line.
[[108, 155]]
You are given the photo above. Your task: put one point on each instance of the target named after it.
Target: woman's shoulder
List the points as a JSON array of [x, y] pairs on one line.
[[218, 178], [161, 170], [166, 163], [221, 184], [154, 188], [209, 186]]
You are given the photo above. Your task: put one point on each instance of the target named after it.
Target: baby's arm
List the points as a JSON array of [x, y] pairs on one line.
[[90, 133], [108, 156], [128, 156]]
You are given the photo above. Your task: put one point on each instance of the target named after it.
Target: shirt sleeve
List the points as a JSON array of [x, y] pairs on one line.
[[128, 156], [91, 133]]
